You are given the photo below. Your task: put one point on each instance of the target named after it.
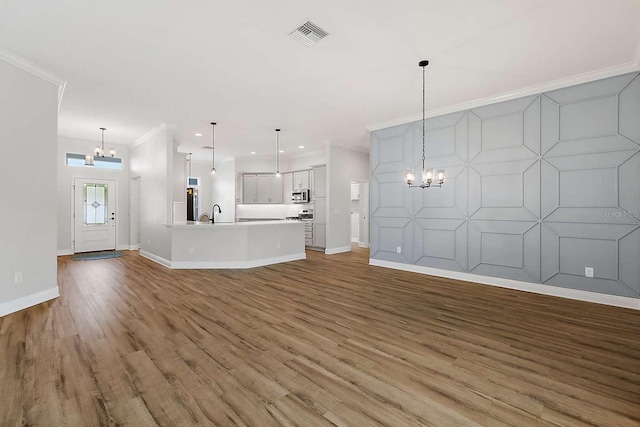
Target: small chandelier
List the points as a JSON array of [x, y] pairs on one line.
[[213, 148], [98, 152], [430, 177], [278, 153]]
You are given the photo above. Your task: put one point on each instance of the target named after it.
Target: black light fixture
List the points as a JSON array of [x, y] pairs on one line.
[[428, 175], [213, 148], [278, 153], [98, 152]]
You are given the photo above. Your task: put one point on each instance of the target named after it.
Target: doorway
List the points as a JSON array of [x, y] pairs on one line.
[[94, 215], [360, 213]]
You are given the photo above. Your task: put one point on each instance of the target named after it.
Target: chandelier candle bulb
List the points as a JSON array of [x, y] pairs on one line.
[[409, 176]]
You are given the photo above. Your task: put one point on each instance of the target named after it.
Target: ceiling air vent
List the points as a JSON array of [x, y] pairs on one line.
[[308, 34]]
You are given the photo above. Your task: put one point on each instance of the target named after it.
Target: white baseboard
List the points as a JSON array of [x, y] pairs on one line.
[[236, 264], [122, 248], [155, 258], [537, 288], [363, 245], [354, 240], [331, 251], [183, 265], [28, 301], [63, 252], [134, 247]]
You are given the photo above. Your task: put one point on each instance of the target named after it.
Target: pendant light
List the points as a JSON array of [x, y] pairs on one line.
[[98, 152], [430, 177], [278, 153], [213, 148]]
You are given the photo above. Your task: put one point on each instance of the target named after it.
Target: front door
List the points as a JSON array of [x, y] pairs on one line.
[[94, 214]]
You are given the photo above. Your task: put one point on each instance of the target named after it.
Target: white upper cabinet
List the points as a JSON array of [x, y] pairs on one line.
[[319, 181], [249, 186], [300, 180], [275, 189], [262, 189]]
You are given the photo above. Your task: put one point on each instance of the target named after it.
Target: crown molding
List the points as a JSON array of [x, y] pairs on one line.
[[602, 73], [28, 66], [149, 134], [305, 155]]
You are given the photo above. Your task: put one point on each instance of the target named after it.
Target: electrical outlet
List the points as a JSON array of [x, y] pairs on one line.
[[192, 250], [278, 245], [18, 277], [399, 250], [588, 271]]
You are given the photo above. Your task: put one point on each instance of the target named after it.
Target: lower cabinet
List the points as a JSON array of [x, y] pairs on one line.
[[308, 233]]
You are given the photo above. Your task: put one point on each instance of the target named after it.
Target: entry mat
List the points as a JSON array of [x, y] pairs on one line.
[[90, 256]]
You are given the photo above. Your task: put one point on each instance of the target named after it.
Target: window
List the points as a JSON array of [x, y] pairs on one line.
[[98, 162], [95, 204]]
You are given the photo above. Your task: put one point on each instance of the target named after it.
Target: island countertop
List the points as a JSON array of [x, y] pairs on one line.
[[208, 225]]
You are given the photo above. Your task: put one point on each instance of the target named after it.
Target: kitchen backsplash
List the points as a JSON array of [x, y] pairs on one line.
[[270, 211]]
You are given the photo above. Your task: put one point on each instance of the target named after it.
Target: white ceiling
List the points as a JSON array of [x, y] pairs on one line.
[[132, 65]]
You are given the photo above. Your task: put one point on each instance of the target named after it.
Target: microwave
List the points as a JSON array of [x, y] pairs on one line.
[[301, 196]]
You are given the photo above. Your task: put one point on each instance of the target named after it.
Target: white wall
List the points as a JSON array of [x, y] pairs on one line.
[[152, 160], [305, 161], [66, 174], [224, 190], [343, 166], [28, 218]]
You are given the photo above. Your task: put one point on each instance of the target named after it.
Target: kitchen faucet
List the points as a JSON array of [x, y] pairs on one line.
[[213, 212]]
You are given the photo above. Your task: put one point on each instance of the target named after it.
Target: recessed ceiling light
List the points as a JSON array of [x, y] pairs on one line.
[[282, 151], [253, 152], [300, 146], [198, 134]]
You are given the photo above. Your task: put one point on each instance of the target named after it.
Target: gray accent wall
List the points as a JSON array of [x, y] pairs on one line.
[[538, 188]]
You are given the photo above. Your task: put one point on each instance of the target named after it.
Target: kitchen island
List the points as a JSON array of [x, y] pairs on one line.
[[196, 245]]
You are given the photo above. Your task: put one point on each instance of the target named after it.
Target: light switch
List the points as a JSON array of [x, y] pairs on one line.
[[588, 271], [399, 250]]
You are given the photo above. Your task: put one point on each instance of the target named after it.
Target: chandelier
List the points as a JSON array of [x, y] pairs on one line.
[[98, 152], [430, 177]]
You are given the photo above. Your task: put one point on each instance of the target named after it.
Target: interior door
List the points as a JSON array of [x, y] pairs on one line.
[[94, 214]]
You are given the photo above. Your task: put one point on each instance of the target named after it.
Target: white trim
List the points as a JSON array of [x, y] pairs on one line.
[[134, 247], [304, 155], [64, 252], [28, 66], [354, 240], [537, 288], [122, 247], [155, 258], [332, 251], [149, 134], [363, 245], [28, 301], [236, 264], [531, 90], [365, 150]]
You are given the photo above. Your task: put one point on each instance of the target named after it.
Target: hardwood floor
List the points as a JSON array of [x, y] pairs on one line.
[[324, 341]]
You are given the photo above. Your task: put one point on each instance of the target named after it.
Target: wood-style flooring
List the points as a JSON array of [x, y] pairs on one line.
[[325, 341]]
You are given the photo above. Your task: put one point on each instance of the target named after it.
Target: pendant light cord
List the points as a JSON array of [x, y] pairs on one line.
[[424, 103], [213, 144]]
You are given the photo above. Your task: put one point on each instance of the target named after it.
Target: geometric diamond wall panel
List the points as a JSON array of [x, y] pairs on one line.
[[505, 190], [392, 149], [388, 234], [449, 201], [590, 245], [440, 243], [537, 189], [499, 248], [390, 196]]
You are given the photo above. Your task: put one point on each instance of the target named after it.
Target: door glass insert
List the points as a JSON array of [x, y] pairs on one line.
[[95, 204]]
